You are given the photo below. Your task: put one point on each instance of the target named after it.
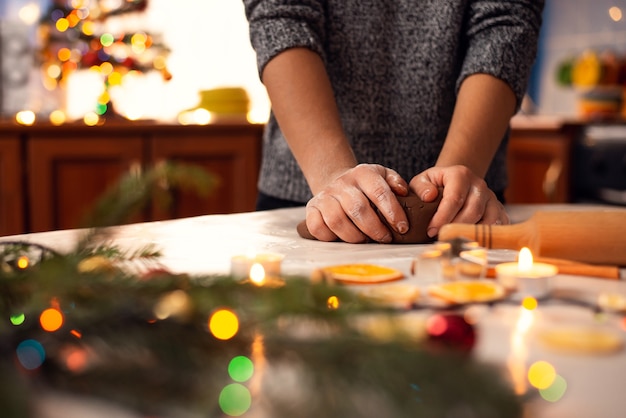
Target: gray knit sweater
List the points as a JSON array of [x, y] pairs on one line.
[[395, 66]]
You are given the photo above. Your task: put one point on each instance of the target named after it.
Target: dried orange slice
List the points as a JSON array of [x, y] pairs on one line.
[[362, 273], [395, 294], [467, 291]]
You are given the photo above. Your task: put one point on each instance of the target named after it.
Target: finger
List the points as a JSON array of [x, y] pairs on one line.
[[425, 187], [334, 220], [453, 199], [360, 212], [398, 185], [476, 201], [493, 213], [379, 192], [316, 226]]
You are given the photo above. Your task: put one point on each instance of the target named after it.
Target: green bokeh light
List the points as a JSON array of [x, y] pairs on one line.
[[555, 391], [240, 369], [107, 39], [18, 319], [101, 109], [235, 399]]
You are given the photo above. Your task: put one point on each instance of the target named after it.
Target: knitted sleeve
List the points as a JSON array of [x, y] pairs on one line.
[[502, 38], [277, 25]]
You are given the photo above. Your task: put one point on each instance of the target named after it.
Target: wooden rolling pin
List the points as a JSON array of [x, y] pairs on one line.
[[587, 236]]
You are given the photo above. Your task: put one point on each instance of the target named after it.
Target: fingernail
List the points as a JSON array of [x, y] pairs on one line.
[[432, 232], [402, 227], [386, 239], [423, 196]]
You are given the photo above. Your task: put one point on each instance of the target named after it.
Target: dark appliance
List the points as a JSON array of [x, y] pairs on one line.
[[599, 164]]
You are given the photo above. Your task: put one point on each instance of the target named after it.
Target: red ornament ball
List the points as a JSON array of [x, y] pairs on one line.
[[450, 331]]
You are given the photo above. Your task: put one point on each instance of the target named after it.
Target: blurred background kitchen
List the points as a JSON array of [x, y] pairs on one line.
[[69, 64]]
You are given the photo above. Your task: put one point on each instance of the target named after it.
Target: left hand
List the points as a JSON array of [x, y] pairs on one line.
[[466, 197]]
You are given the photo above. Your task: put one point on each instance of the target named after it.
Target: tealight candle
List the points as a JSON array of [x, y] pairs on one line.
[[259, 278], [240, 265], [524, 277]]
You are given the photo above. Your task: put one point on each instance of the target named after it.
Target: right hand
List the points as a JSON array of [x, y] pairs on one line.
[[343, 209]]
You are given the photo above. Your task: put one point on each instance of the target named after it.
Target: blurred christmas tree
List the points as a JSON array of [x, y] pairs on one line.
[[74, 35]]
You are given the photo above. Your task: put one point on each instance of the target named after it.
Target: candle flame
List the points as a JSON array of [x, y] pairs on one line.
[[257, 274], [525, 260]]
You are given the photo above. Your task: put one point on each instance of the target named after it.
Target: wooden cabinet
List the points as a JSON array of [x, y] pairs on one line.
[[231, 154], [68, 173], [539, 162], [11, 186], [51, 176]]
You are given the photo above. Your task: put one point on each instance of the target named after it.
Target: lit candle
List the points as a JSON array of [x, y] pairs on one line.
[[259, 278], [241, 265], [524, 277]]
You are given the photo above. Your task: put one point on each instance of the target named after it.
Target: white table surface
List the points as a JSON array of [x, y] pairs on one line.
[[205, 244]]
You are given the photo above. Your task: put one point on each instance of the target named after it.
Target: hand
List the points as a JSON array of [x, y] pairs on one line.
[[343, 209], [466, 197]]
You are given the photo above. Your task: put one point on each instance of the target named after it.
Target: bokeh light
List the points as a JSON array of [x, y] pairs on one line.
[[88, 28], [556, 390], [173, 304], [64, 54], [106, 39], [51, 319], [25, 117], [115, 78], [224, 324], [91, 119], [76, 360], [529, 303], [30, 13], [333, 302], [53, 71], [57, 117], [615, 13], [541, 374], [240, 369], [101, 108], [22, 262], [18, 319], [235, 399], [62, 24], [30, 354], [106, 68]]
